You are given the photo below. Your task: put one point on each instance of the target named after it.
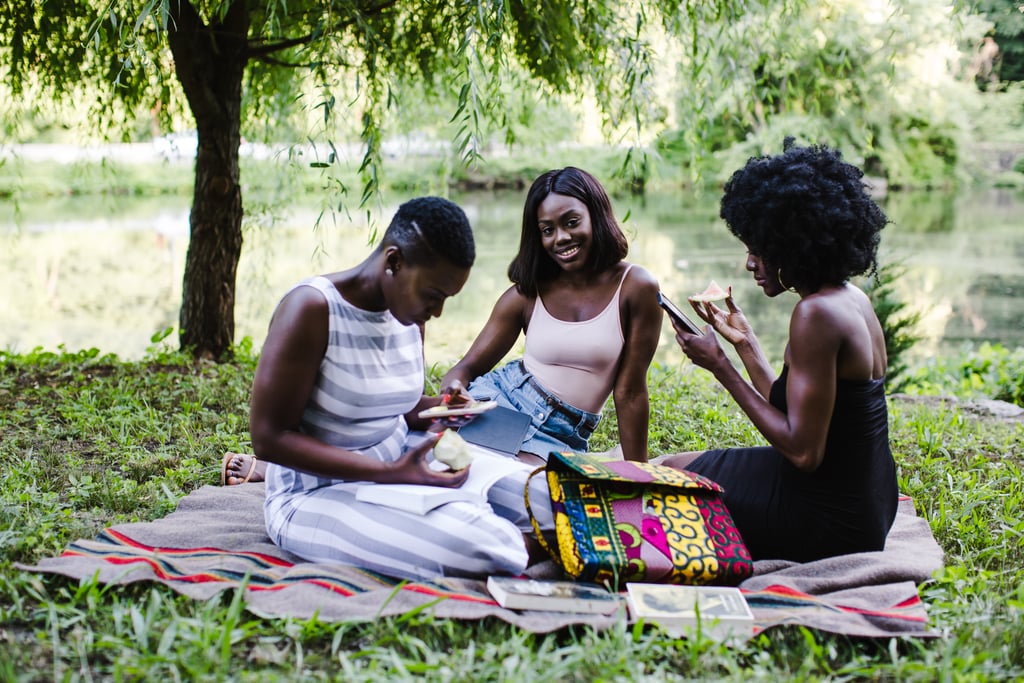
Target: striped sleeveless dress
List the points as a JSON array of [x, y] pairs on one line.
[[370, 376]]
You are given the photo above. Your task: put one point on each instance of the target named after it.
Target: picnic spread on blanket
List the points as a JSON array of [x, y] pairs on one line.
[[216, 541]]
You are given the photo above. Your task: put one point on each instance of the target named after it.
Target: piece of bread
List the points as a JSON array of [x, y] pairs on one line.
[[452, 450]]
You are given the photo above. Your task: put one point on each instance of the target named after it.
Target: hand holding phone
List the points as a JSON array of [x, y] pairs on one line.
[[463, 410], [678, 316]]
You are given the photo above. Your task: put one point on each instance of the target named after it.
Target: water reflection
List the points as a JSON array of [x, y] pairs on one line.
[[106, 273]]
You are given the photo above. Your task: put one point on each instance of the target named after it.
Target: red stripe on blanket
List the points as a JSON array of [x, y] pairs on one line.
[[155, 566], [334, 587], [793, 594], [910, 602], [464, 597], [127, 540], [323, 583]]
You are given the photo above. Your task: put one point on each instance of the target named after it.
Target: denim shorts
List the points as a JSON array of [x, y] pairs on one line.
[[555, 425]]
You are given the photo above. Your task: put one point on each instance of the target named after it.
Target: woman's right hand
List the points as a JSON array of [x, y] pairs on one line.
[[703, 350], [413, 468], [730, 323], [454, 394]]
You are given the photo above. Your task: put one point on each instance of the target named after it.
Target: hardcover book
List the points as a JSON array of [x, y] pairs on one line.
[[552, 596], [720, 613], [500, 429]]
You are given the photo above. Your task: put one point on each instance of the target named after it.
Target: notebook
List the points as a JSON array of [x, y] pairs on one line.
[[500, 429]]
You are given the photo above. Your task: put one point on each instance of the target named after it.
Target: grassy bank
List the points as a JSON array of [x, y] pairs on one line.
[[274, 176], [288, 173], [88, 441]]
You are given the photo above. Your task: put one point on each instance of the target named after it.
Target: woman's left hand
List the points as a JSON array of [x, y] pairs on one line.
[[730, 322], [413, 467]]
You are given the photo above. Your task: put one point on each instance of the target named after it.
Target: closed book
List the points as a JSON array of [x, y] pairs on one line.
[[552, 596], [500, 429], [717, 612]]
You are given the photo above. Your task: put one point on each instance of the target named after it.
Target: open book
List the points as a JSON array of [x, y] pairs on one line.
[[487, 468]]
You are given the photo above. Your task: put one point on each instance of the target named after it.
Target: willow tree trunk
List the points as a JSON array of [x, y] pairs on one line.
[[210, 62]]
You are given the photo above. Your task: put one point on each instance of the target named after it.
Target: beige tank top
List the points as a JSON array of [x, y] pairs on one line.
[[576, 361]]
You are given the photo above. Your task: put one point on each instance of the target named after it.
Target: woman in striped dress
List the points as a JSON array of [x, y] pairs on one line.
[[339, 380]]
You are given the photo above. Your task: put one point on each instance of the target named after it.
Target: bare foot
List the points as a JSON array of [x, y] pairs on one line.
[[240, 468]]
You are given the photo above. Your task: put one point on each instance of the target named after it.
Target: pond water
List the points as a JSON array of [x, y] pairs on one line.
[[106, 273]]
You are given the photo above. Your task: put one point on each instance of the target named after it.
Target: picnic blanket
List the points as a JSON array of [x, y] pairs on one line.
[[215, 540]]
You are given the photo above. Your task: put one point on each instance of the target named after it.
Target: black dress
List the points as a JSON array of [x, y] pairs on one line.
[[847, 505]]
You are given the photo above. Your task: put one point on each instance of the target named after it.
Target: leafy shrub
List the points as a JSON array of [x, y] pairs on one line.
[[898, 324], [990, 371]]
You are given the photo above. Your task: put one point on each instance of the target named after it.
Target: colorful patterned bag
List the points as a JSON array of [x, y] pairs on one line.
[[619, 521]]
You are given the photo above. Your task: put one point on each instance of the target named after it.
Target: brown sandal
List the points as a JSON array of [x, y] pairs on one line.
[[226, 460]]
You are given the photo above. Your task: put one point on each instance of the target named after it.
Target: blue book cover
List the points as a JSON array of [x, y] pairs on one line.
[[499, 429]]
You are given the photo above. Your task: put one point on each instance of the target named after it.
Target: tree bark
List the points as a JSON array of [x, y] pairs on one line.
[[210, 61]]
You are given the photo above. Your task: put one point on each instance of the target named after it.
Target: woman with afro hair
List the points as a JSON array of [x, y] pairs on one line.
[[826, 484]]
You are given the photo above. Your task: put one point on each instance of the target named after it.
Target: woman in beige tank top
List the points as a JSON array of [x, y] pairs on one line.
[[591, 321]]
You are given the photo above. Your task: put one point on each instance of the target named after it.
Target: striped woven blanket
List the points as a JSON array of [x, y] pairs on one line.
[[216, 541]]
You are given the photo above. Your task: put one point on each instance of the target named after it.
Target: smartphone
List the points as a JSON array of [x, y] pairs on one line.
[[471, 408], [677, 315]]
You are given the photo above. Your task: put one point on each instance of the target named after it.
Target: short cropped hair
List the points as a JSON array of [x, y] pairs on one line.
[[532, 265], [806, 213], [430, 228]]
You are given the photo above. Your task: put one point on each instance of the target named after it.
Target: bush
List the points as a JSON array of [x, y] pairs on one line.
[[990, 371], [898, 324]]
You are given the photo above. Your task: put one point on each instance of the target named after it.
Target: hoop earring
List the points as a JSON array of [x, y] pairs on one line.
[[778, 276]]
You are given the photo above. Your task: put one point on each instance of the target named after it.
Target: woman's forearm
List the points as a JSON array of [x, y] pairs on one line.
[[772, 423], [633, 417], [460, 372], [756, 364], [303, 452], [761, 413]]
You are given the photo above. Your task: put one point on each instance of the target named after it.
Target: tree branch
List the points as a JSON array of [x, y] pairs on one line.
[[261, 51], [267, 59]]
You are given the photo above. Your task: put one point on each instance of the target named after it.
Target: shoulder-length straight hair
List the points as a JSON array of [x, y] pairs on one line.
[[532, 266]]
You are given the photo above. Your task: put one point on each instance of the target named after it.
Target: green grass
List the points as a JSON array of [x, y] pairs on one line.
[[87, 441]]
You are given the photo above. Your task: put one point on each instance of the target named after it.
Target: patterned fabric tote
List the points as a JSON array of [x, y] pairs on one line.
[[619, 521]]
